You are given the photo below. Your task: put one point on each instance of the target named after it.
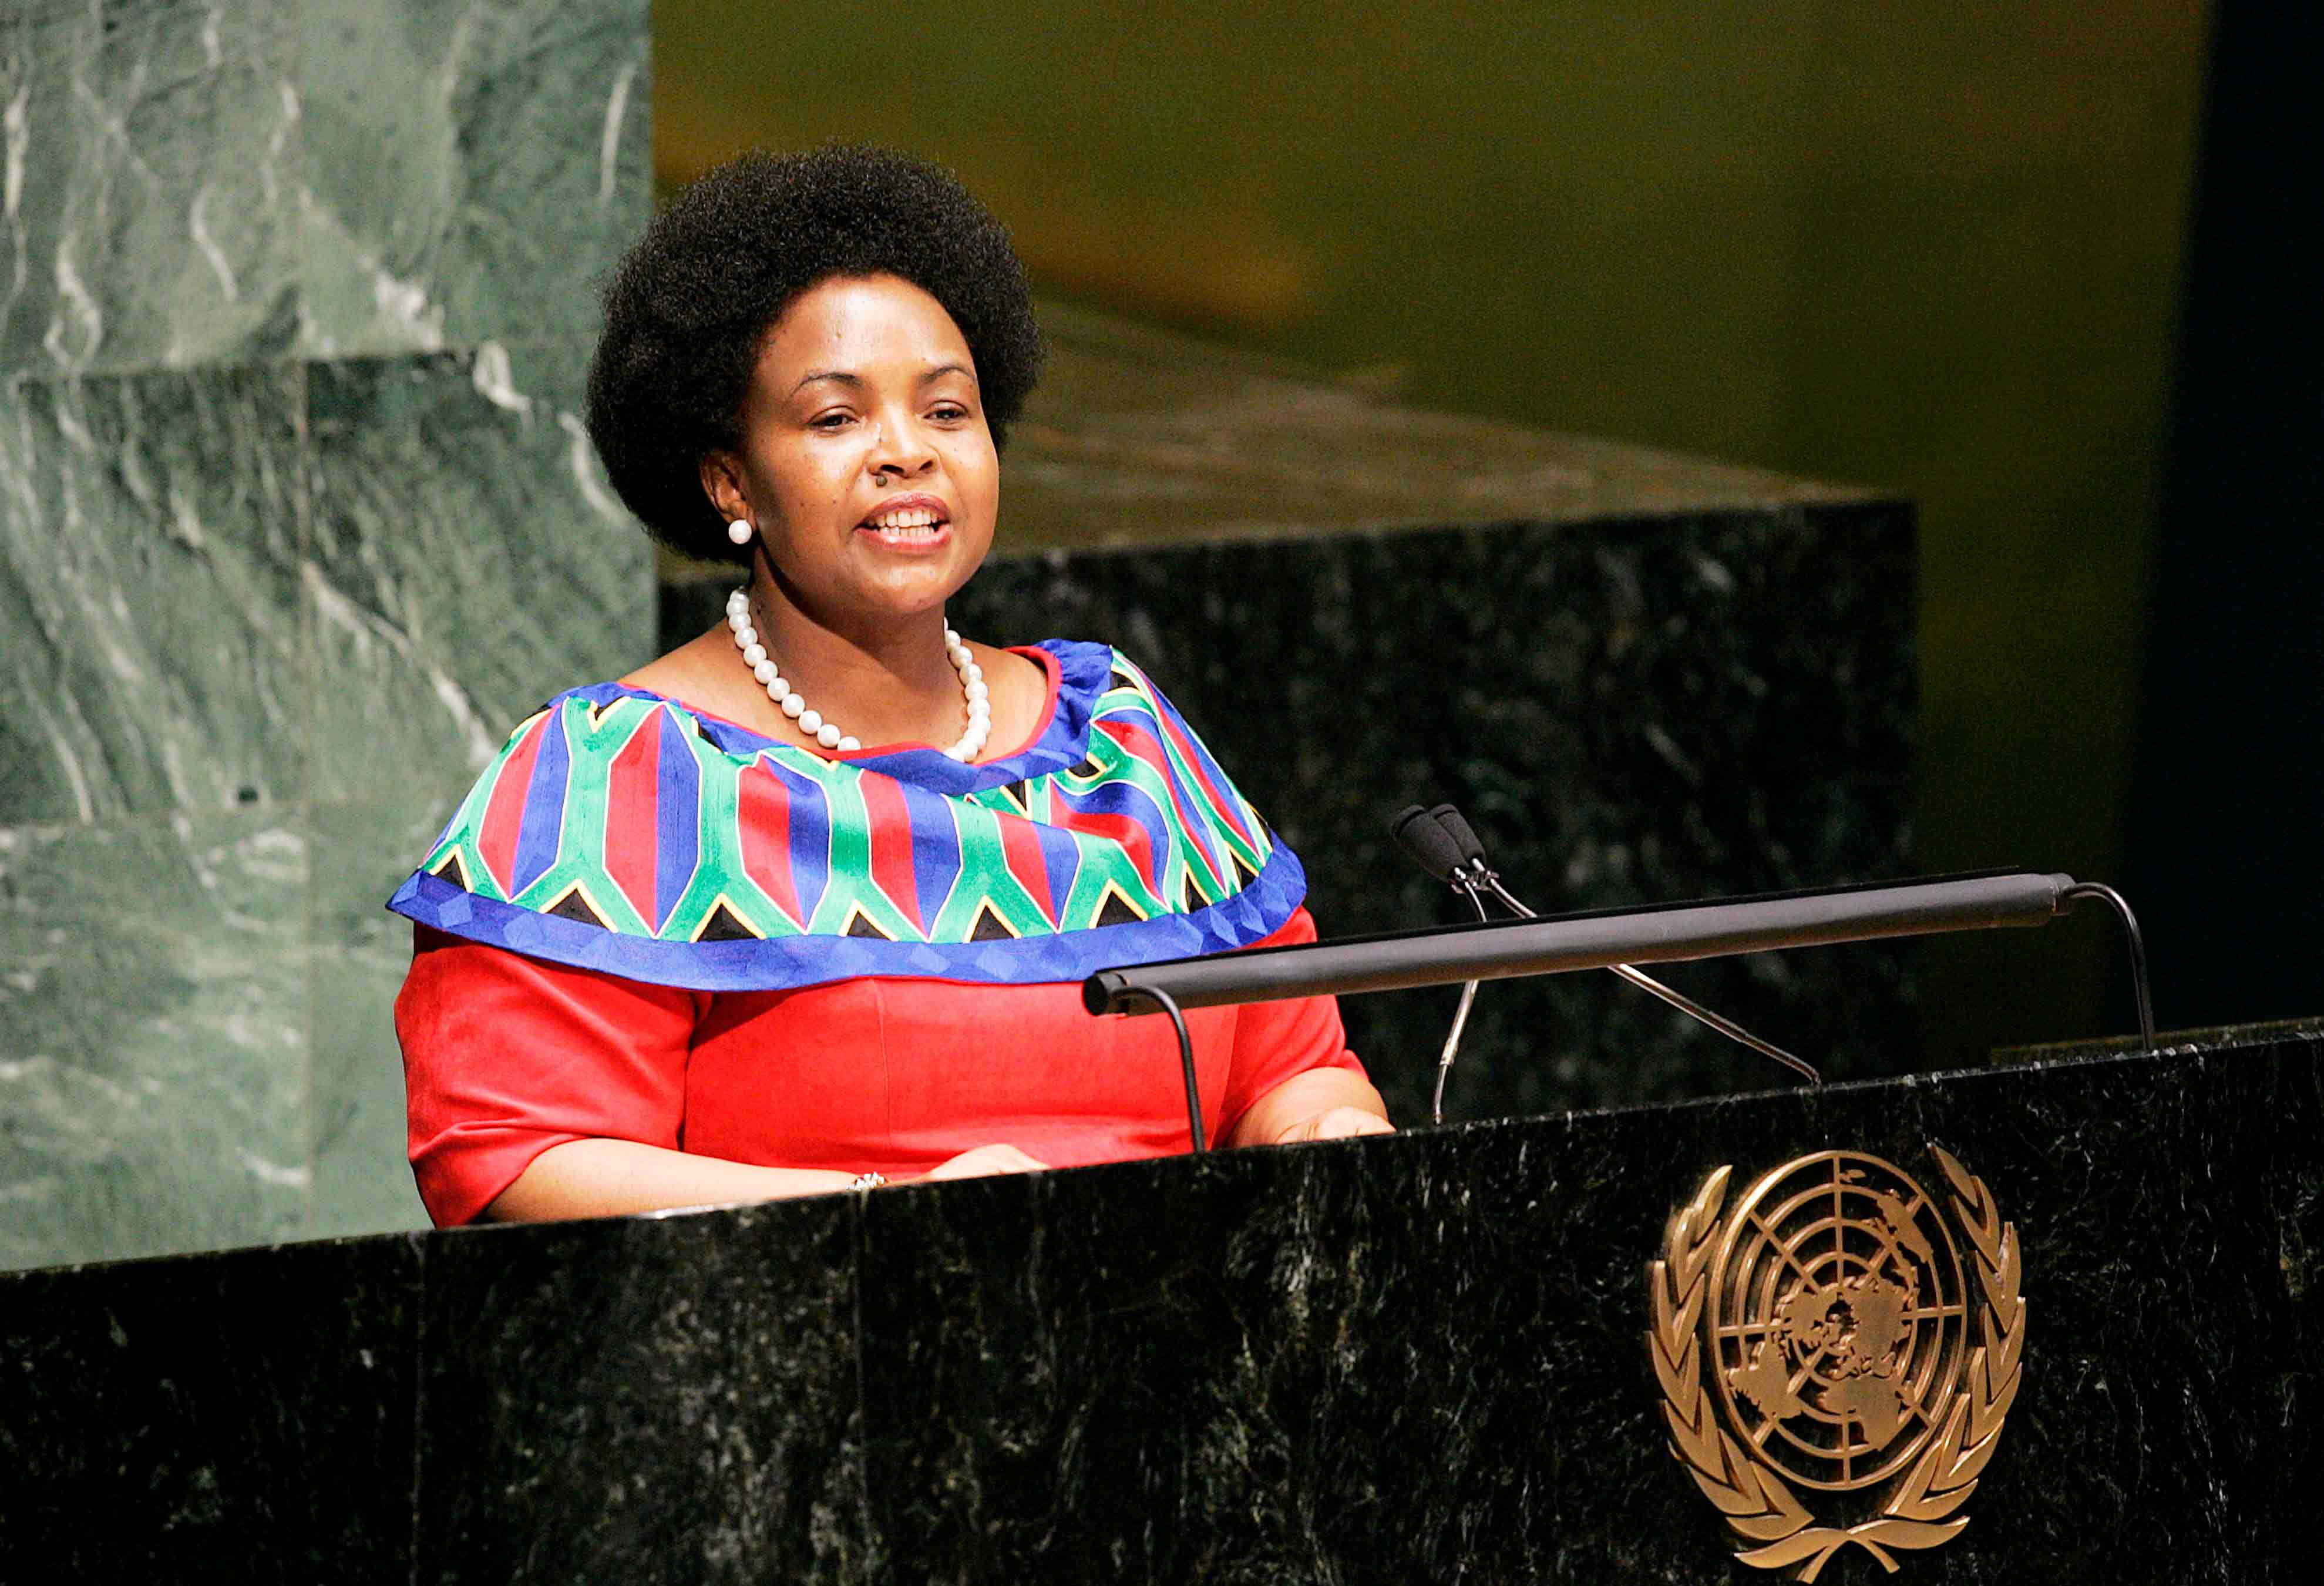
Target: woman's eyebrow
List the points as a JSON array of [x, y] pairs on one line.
[[844, 378]]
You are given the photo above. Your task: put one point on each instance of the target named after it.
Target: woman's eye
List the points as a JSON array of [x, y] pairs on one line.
[[950, 412], [828, 420]]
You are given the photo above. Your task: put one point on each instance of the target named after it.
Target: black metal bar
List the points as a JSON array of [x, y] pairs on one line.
[[1510, 949]]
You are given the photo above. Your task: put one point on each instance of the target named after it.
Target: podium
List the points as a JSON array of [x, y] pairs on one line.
[[1425, 1356]]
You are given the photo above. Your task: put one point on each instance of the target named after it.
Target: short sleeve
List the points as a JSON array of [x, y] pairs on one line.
[[1277, 1041], [506, 1055]]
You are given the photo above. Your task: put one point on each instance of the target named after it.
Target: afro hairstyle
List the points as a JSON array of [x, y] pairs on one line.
[[690, 306]]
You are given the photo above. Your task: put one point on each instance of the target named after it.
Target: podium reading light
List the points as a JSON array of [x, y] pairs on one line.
[[1671, 934]]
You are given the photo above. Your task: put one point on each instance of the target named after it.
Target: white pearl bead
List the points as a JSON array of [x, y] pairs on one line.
[[976, 693], [739, 532]]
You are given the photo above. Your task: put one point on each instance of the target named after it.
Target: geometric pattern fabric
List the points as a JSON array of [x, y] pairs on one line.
[[616, 829]]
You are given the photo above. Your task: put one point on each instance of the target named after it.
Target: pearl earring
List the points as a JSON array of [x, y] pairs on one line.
[[739, 530]]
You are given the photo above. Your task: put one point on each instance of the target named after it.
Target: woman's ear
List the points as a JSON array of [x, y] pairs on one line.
[[721, 482]]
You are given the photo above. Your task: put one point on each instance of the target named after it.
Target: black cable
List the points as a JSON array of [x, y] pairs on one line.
[[1169, 1005], [2115, 901]]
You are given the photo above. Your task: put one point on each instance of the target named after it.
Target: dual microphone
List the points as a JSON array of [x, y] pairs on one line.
[[1443, 845]]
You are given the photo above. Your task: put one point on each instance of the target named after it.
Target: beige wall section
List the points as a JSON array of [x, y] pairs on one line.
[[1932, 247]]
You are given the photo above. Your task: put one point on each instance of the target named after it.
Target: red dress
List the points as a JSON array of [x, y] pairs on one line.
[[506, 1056], [649, 923]]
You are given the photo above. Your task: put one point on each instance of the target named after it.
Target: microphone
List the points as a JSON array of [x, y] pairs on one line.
[[1423, 834], [1468, 874]]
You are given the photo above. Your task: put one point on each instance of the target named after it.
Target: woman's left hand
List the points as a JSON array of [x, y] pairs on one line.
[[1321, 1104], [1336, 1123]]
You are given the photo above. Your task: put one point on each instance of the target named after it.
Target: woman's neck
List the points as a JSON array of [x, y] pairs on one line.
[[884, 681]]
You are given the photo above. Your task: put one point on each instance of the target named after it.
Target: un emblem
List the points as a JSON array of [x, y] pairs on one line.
[[1826, 1335]]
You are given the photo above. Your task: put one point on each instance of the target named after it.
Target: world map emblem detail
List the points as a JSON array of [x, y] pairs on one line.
[[1830, 1336]]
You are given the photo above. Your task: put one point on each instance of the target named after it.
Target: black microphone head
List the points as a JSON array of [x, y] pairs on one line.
[[1464, 841], [1418, 833]]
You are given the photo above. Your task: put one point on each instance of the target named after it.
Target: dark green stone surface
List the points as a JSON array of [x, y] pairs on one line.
[[152, 1036], [265, 606], [1380, 1361], [150, 546], [315, 177]]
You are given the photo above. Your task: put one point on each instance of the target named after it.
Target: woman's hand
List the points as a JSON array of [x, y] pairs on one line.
[[1336, 1123], [1321, 1104], [984, 1161]]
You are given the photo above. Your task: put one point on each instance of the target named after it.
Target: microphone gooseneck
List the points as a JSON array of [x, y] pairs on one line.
[[1448, 848], [1423, 834]]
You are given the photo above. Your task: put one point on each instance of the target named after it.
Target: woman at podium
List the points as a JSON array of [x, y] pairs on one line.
[[804, 904]]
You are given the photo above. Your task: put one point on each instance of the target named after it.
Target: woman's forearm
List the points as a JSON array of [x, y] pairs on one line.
[[612, 1178], [1291, 1109]]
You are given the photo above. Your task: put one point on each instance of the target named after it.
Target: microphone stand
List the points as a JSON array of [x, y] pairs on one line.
[[1652, 987], [1442, 842]]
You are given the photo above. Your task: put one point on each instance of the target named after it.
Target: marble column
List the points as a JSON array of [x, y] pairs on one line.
[[296, 515]]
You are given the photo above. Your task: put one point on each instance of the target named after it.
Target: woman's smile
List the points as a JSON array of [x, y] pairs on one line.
[[911, 524]]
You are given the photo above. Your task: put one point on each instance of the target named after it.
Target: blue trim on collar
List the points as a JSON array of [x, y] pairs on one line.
[[789, 962]]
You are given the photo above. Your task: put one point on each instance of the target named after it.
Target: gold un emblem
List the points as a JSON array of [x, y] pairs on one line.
[[1821, 1338]]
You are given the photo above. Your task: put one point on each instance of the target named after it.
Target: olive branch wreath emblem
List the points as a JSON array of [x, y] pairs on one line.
[[1758, 1505]]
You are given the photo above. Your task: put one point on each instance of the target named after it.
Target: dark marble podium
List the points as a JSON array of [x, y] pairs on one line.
[[1422, 1358]]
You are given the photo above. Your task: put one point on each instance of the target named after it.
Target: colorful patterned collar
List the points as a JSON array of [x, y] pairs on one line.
[[617, 830]]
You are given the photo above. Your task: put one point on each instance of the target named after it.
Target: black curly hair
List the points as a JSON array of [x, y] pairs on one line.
[[688, 306]]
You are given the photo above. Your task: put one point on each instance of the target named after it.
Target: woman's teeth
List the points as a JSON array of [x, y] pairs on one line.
[[919, 523]]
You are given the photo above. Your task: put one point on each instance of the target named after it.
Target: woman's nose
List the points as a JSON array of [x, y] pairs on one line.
[[901, 448]]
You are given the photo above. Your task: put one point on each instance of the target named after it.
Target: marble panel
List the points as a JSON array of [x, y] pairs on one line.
[[468, 561], [1414, 1357], [152, 159], [152, 1036], [474, 167], [1629, 712], [1426, 1357], [1202, 1376], [357, 953], [667, 1398], [243, 1418], [151, 652]]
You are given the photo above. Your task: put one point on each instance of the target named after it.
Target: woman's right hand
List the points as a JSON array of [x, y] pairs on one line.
[[984, 1161]]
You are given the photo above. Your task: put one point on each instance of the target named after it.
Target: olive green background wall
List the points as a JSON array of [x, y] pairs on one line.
[[1929, 248], [290, 360]]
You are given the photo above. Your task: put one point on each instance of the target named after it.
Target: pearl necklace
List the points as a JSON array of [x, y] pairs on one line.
[[788, 701]]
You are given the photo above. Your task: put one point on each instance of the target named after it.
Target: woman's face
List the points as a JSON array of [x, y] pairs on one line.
[[866, 462]]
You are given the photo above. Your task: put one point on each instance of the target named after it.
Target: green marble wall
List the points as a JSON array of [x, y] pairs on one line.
[[296, 516]]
